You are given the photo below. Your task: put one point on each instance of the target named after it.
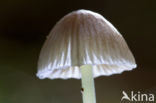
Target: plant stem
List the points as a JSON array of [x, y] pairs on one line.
[[88, 89]]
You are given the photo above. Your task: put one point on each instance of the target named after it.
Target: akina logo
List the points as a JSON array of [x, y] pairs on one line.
[[137, 96]]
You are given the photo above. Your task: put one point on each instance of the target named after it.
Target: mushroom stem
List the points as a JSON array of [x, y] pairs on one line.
[[88, 89]]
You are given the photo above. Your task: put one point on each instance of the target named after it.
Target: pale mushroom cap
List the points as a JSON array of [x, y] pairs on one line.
[[84, 37]]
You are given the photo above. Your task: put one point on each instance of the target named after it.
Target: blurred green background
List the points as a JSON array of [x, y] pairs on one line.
[[24, 25]]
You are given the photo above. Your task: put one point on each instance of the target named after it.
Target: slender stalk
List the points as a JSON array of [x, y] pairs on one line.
[[88, 89]]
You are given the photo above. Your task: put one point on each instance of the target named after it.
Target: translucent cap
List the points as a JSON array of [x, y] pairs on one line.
[[84, 37]]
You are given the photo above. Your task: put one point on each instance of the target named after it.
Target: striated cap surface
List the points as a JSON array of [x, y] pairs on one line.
[[84, 37]]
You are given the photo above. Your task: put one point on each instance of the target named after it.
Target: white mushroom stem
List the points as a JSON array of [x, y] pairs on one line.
[[88, 89]]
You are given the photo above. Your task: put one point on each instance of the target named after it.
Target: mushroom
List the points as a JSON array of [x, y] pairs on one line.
[[84, 45]]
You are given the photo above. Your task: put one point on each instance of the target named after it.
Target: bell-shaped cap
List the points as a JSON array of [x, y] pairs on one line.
[[84, 37]]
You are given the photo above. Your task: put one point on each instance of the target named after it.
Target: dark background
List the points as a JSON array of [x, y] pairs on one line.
[[24, 25]]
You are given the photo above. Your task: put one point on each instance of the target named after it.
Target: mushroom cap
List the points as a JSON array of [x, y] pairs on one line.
[[84, 37]]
